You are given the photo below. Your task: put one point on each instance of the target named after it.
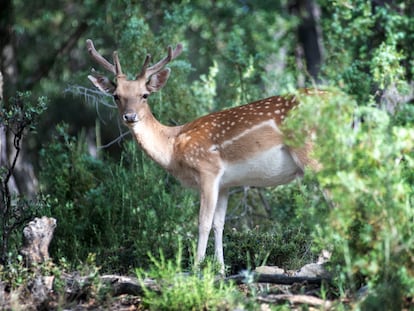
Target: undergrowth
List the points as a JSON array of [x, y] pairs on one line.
[[194, 289]]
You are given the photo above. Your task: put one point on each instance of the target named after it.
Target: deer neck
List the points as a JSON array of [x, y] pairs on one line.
[[156, 139]]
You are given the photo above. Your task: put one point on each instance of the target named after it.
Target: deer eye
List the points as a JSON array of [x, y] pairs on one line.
[[145, 96], [116, 97]]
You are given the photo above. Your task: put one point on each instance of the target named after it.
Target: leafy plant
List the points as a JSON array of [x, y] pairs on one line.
[[26, 288], [182, 290], [17, 118], [285, 247], [364, 171], [119, 211]]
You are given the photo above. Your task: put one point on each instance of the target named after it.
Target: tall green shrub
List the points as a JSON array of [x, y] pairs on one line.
[[367, 161], [18, 116], [368, 46], [369, 54], [119, 211]]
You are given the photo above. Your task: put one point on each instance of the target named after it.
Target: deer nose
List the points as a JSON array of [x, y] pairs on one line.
[[130, 117]]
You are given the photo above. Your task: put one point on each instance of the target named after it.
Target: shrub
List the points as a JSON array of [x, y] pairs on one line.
[[284, 246], [181, 290], [367, 170], [17, 117], [119, 211]]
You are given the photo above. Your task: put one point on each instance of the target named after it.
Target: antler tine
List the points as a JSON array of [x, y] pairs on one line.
[[98, 57], [144, 66], [158, 66], [177, 51], [118, 70]]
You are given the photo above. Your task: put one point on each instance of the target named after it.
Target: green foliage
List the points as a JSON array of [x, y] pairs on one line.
[[283, 247], [235, 52], [205, 90], [386, 66], [241, 38], [368, 168], [367, 173], [119, 211], [181, 290], [368, 46], [16, 272], [18, 117], [22, 113], [20, 281]]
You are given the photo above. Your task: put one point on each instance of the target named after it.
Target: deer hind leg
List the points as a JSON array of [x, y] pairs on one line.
[[218, 226]]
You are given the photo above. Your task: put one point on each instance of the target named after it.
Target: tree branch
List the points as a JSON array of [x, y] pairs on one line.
[[277, 279], [46, 66]]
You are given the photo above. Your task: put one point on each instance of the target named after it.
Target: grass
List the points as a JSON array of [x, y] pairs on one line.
[[198, 289]]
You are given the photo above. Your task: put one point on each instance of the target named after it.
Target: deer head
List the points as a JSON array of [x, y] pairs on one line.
[[131, 95]]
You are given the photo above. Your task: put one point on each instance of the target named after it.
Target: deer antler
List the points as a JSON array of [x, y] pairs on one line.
[[149, 71], [118, 69], [102, 61]]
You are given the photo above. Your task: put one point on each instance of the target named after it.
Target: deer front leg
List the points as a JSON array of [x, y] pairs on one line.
[[208, 201], [218, 226]]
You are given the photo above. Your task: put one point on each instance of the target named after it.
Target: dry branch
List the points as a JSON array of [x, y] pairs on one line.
[[39, 232], [277, 279], [78, 286], [297, 299], [127, 285]]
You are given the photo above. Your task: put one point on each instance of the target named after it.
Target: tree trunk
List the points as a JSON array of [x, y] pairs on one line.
[[310, 35], [23, 180], [36, 239]]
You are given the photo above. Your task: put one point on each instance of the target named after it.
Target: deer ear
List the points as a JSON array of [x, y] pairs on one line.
[[102, 83], [158, 80]]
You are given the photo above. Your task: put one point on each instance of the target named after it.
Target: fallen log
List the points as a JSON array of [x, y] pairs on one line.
[[275, 279], [78, 286], [121, 285], [297, 300], [39, 233]]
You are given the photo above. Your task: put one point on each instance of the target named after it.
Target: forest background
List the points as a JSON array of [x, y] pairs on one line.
[[65, 154]]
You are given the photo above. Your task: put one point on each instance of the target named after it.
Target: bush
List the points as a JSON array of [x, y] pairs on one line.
[[119, 211], [285, 247], [17, 117], [181, 290], [367, 172]]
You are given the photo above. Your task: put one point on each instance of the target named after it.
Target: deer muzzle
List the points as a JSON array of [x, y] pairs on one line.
[[130, 117]]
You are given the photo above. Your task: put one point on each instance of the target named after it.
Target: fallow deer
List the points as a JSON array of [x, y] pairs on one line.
[[241, 146]]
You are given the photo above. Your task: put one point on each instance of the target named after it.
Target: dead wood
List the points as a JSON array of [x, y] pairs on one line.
[[36, 239], [39, 233], [276, 279], [297, 299], [78, 286], [127, 285]]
